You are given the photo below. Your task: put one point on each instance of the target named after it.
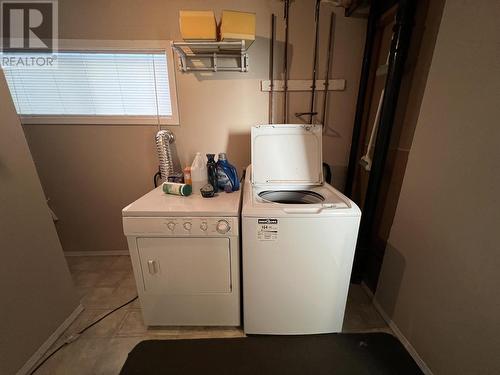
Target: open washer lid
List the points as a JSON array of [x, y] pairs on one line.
[[288, 154]]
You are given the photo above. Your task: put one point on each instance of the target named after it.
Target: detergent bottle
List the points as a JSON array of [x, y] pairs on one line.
[[227, 174], [199, 176]]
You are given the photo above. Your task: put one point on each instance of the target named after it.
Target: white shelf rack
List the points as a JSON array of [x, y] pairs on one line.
[[213, 52]]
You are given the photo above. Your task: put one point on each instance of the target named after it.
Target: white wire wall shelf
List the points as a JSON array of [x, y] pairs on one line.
[[212, 56]]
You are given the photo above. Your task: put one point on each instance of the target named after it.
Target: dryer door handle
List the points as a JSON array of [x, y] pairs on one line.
[[152, 266]]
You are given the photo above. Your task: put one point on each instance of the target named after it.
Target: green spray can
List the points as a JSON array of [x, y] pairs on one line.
[[177, 189]]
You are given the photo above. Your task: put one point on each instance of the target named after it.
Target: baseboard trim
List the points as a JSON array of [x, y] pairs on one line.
[[397, 332], [38, 355], [95, 253]]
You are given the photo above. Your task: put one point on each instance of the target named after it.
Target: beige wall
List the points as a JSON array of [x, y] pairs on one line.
[[440, 277], [91, 172], [36, 289]]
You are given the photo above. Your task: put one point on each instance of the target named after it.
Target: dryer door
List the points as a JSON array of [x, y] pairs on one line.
[[185, 266]]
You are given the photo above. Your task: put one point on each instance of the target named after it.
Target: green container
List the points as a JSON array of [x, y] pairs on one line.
[[177, 189]]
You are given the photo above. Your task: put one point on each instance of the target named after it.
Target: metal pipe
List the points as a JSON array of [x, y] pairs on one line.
[[167, 154], [328, 63], [315, 61], [285, 64], [271, 68]]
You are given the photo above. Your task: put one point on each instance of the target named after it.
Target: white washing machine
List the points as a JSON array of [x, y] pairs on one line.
[[185, 256], [298, 234]]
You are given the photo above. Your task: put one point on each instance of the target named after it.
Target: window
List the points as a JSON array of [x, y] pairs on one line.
[[97, 86]]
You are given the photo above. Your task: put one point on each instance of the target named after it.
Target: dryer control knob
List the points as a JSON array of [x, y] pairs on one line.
[[171, 225], [187, 225], [222, 226], [204, 226]]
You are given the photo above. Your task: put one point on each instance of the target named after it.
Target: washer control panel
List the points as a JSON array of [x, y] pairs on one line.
[[200, 226]]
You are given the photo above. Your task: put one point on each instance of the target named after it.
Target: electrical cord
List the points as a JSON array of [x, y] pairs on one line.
[[75, 336], [156, 177]]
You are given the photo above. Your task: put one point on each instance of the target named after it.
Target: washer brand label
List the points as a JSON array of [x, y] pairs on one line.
[[267, 229], [267, 221]]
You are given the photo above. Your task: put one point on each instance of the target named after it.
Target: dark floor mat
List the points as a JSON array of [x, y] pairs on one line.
[[333, 354]]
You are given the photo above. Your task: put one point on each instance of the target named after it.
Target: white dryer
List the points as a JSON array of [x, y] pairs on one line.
[[185, 256], [299, 236]]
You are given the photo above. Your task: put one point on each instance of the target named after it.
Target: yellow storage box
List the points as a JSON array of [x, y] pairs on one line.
[[237, 26], [198, 25]]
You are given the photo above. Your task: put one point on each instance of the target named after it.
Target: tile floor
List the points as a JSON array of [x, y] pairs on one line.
[[105, 282]]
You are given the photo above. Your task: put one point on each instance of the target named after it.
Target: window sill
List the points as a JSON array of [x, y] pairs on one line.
[[98, 120]]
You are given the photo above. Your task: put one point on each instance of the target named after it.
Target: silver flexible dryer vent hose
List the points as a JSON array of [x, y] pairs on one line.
[[167, 154]]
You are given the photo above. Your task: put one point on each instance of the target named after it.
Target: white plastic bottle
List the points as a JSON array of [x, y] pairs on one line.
[[199, 174]]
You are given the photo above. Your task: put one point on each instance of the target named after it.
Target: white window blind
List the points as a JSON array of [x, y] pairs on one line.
[[95, 84]]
